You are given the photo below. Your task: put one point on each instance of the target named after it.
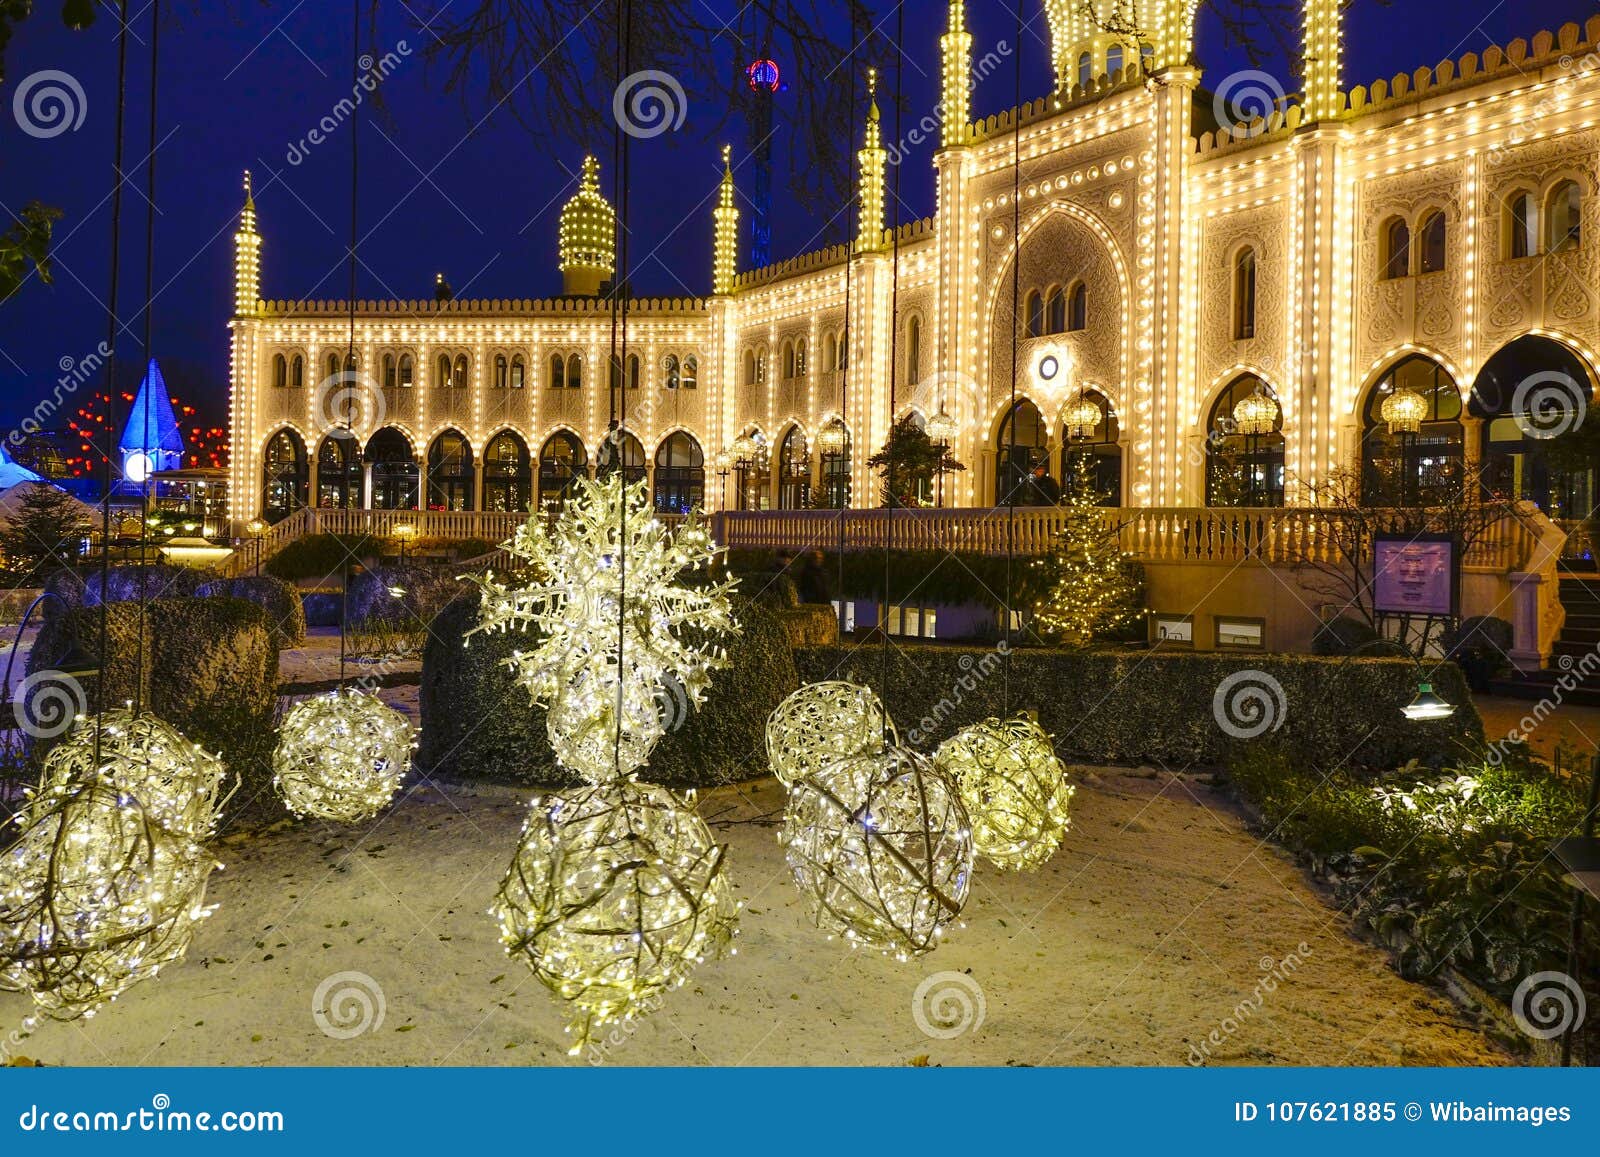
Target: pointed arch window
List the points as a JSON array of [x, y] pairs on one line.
[[1564, 212], [1114, 60], [1033, 313], [460, 377], [1055, 310], [405, 371], [574, 371], [1085, 70], [1522, 225], [1431, 250], [749, 367], [280, 371], [800, 357], [441, 372], [670, 366], [914, 350], [390, 379], [519, 372], [502, 371], [1396, 248], [297, 372], [558, 372], [691, 372], [1244, 294], [1078, 307], [788, 360]]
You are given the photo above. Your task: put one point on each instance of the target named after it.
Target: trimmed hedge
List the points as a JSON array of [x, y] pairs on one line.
[[321, 556], [210, 669], [285, 611], [945, 578], [809, 625], [478, 724], [1138, 707]]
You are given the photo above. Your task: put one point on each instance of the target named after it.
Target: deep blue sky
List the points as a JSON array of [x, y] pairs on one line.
[[238, 88]]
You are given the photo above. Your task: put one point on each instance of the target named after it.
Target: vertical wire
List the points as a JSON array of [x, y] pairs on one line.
[[1016, 320], [619, 358], [111, 367], [149, 347], [852, 200], [350, 352], [894, 362]]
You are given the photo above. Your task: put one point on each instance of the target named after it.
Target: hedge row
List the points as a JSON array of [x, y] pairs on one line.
[[945, 578], [1139, 707], [478, 724], [210, 669], [285, 611]]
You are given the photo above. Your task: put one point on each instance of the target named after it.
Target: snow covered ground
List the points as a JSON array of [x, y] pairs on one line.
[[1160, 923]]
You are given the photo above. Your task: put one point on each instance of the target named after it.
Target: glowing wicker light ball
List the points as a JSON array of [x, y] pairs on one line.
[[891, 869], [175, 781], [822, 725], [95, 896], [615, 894], [1014, 788], [341, 756]]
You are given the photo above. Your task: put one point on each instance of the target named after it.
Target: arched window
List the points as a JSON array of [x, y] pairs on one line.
[[519, 372], [1055, 310], [1396, 248], [749, 367], [844, 349], [339, 473], [1521, 225], [441, 372], [1244, 294], [1518, 460], [502, 371], [1114, 60], [1412, 467], [761, 365], [284, 476], [633, 371], [334, 368], [394, 470], [562, 461], [670, 369], [691, 372], [406, 376], [507, 474], [280, 371], [558, 372], [620, 449], [788, 360], [914, 350], [297, 372], [1078, 307], [460, 377], [450, 472], [1022, 445], [1033, 313], [1101, 446], [390, 381], [1244, 461], [574, 371], [1085, 70], [680, 484], [1431, 255], [800, 357], [753, 475], [1564, 212], [794, 471]]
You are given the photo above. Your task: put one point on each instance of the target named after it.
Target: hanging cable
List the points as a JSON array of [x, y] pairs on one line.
[[619, 355], [858, 36], [149, 348], [894, 367], [1016, 320], [350, 369], [111, 367]]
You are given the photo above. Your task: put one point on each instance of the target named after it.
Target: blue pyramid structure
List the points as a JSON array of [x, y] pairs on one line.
[[151, 439]]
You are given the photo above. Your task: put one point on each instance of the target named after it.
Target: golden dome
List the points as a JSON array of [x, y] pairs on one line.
[[589, 226]]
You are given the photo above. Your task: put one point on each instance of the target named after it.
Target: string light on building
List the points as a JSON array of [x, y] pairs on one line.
[[341, 756], [955, 46], [1014, 788], [873, 159], [246, 256], [725, 256], [588, 236]]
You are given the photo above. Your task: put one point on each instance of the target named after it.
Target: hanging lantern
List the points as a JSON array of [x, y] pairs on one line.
[[889, 869], [1014, 788], [1257, 413], [823, 725], [1404, 410], [95, 895], [833, 438], [175, 782], [744, 449], [942, 429], [615, 894], [341, 756], [1082, 417]]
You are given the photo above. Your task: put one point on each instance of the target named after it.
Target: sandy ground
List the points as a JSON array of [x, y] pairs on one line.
[[318, 658], [1571, 724], [1142, 937]]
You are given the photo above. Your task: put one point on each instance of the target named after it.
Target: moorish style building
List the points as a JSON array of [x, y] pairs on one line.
[[1224, 309]]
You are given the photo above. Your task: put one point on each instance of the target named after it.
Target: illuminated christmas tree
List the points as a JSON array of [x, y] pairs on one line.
[[1091, 585]]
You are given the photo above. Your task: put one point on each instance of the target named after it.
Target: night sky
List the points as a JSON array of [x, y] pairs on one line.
[[239, 88]]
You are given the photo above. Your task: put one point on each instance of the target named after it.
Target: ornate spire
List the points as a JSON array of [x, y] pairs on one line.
[[1322, 100], [246, 257], [725, 250], [873, 159], [588, 236], [956, 107]]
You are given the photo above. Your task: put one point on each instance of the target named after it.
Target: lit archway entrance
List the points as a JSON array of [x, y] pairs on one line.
[[1534, 399], [680, 475], [1245, 446], [507, 474], [1022, 445], [562, 461], [1090, 430], [339, 473], [1411, 441], [794, 471], [394, 471], [285, 476], [450, 472]]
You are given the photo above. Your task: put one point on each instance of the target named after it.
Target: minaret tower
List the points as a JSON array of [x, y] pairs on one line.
[[246, 257], [1321, 100], [956, 106], [725, 251], [873, 159]]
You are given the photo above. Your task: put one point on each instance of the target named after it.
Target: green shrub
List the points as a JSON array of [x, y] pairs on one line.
[[933, 577], [282, 603], [210, 668], [1135, 706], [478, 724], [808, 625], [391, 606], [321, 556]]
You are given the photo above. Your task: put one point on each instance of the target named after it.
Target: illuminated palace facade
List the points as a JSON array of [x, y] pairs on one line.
[[1223, 314]]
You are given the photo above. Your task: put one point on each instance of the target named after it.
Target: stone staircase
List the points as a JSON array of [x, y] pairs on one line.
[[1576, 654]]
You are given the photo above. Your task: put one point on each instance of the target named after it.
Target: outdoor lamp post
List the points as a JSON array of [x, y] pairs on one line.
[[942, 431], [744, 453], [832, 441], [1427, 704], [403, 534], [256, 528]]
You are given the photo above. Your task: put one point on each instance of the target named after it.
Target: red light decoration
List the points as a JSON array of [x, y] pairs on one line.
[[763, 74]]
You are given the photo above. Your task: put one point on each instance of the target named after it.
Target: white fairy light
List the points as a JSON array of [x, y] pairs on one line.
[[821, 725], [1014, 788], [341, 756]]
